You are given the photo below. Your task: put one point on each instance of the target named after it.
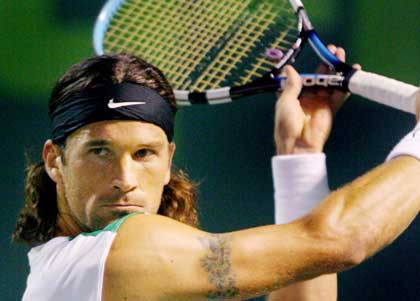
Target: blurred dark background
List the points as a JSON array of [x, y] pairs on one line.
[[227, 148]]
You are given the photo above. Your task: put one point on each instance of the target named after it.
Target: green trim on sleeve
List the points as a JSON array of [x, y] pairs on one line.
[[112, 227]]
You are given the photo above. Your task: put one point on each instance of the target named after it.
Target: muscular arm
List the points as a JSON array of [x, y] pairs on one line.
[[156, 258]]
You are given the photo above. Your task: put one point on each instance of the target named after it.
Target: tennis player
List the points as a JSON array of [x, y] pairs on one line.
[[110, 220]]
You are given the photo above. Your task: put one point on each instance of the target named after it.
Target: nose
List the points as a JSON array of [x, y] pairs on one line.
[[125, 176]]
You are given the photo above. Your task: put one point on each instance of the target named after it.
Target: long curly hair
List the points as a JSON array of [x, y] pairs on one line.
[[37, 220]]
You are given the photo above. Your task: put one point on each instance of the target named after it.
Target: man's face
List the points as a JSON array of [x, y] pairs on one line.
[[113, 168]]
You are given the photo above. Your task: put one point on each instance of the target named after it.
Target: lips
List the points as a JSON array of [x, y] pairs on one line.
[[122, 201], [123, 206]]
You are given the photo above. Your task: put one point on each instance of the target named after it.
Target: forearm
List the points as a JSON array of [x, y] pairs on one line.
[[300, 183], [374, 209], [350, 225], [320, 288]]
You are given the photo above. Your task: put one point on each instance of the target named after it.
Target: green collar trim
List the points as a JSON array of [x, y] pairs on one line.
[[112, 227]]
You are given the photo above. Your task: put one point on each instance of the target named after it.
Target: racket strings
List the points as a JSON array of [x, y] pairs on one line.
[[215, 32], [280, 31], [230, 55], [203, 44], [155, 36], [175, 37]]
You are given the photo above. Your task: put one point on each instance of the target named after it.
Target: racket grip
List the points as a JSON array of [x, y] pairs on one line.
[[384, 90]]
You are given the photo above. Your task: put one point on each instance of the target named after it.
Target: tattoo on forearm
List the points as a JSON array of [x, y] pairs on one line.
[[217, 262]]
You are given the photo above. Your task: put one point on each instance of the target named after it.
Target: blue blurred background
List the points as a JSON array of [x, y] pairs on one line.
[[228, 148]]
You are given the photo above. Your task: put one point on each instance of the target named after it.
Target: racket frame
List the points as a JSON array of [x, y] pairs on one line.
[[102, 22], [268, 82], [374, 87]]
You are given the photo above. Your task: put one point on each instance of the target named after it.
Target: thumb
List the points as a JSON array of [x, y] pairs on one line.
[[293, 84]]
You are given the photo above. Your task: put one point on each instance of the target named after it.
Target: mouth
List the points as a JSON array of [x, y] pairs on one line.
[[124, 206]]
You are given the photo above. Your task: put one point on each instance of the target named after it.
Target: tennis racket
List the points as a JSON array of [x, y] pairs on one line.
[[214, 52]]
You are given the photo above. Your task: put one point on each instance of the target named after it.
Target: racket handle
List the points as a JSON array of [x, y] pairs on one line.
[[384, 90]]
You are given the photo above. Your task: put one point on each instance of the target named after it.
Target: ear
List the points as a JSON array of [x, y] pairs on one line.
[[172, 147], [51, 154]]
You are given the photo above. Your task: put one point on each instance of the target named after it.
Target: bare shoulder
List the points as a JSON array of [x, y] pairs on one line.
[[150, 254], [144, 233], [141, 227]]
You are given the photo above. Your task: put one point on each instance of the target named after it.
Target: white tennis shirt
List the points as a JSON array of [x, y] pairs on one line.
[[69, 269]]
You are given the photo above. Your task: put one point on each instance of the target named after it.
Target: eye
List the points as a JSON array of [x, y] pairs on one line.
[[144, 153], [100, 151]]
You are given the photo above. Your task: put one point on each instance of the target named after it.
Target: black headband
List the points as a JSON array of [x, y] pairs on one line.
[[126, 101]]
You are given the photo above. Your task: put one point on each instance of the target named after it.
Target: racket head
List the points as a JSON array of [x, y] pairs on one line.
[[102, 23], [201, 45]]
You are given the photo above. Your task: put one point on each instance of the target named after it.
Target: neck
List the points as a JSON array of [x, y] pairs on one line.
[[66, 225]]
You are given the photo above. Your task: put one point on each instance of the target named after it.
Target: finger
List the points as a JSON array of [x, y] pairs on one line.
[[340, 53], [357, 66], [324, 68], [293, 84], [332, 48]]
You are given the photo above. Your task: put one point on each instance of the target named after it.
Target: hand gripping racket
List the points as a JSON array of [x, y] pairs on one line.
[[214, 52]]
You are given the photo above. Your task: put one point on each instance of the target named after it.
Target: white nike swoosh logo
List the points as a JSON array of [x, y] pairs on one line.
[[113, 105]]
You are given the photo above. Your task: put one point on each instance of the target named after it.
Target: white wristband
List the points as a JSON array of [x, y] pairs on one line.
[[408, 146], [300, 184]]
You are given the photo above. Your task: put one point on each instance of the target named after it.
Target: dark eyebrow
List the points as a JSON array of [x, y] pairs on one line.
[[99, 142], [152, 144], [103, 142]]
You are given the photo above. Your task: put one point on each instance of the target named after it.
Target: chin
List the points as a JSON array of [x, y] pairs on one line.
[[111, 215], [117, 213], [100, 222]]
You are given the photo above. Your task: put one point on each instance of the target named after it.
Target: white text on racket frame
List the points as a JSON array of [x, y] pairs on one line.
[[322, 80]]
